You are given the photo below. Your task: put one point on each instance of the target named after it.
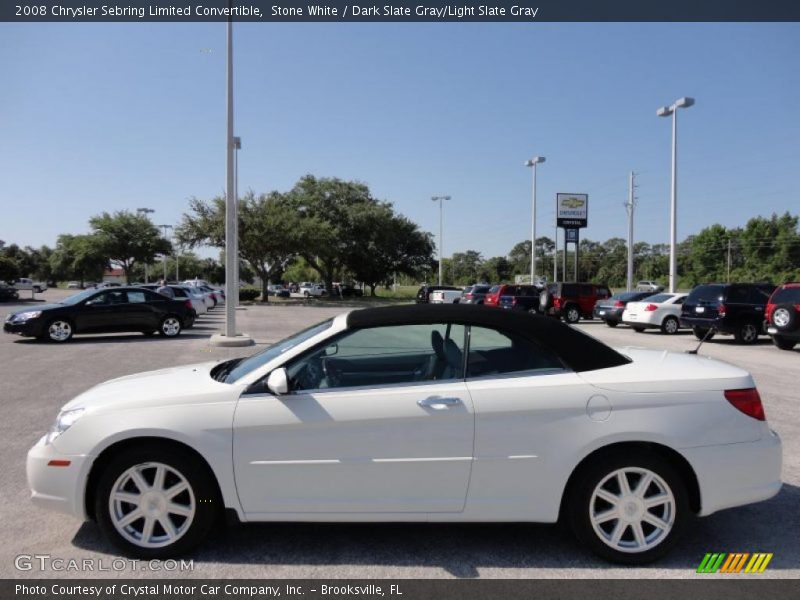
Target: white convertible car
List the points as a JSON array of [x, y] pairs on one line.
[[416, 413]]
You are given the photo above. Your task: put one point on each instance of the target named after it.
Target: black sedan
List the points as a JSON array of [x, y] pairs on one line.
[[610, 310], [103, 311]]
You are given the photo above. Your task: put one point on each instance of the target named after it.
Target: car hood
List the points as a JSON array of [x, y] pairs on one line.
[[189, 384], [39, 307], [663, 371]]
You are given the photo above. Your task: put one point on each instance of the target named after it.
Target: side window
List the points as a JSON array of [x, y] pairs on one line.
[[136, 297], [680, 300], [99, 300], [380, 356], [737, 295], [493, 352], [586, 290], [603, 292], [759, 295]]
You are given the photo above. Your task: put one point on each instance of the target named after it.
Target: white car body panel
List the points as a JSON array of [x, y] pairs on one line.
[[445, 296], [503, 451], [635, 314]]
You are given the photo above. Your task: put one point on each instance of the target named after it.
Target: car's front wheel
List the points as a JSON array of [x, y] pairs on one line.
[[746, 333], [170, 326], [670, 326], [629, 510], [58, 330], [612, 323], [156, 502]]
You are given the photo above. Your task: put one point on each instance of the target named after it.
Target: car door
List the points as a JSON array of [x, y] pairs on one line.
[[386, 428], [102, 312], [529, 415]]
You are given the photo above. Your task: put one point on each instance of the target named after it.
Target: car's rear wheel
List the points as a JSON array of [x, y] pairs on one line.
[[783, 343], [628, 510], [670, 325], [638, 329], [170, 326], [572, 314], [612, 323], [156, 502], [701, 333], [746, 333], [58, 330]]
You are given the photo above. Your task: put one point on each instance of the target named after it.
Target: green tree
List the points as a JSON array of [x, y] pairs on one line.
[[80, 257], [128, 238]]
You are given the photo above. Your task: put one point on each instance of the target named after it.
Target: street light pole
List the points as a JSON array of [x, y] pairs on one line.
[[666, 111], [532, 163], [441, 200], [237, 145], [145, 212], [165, 227]]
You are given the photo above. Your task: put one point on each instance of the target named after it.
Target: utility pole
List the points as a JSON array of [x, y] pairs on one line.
[[629, 207], [144, 212], [729, 261], [441, 200]]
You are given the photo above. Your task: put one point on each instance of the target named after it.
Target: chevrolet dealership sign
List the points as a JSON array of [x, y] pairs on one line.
[[572, 210]]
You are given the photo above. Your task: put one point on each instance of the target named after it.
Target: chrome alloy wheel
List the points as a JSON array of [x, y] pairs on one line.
[[171, 326], [749, 333], [59, 331], [152, 505], [670, 325], [781, 317], [632, 510]]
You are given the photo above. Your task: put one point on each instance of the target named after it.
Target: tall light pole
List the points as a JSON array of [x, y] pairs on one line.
[[532, 164], [145, 212], [166, 237], [237, 145], [666, 111], [441, 200]]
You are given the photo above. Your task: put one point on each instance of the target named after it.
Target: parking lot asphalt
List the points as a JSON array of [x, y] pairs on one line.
[[36, 379]]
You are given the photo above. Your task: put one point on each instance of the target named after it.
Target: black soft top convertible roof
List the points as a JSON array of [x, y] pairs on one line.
[[579, 351]]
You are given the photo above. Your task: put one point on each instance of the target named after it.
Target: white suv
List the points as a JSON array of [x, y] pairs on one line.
[[312, 289]]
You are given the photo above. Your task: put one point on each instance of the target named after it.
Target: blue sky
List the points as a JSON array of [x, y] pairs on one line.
[[100, 117]]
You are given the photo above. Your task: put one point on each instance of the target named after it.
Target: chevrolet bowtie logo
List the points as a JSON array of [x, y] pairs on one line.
[[573, 202]]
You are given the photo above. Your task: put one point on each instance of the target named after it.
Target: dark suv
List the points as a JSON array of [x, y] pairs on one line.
[[424, 293], [783, 316], [729, 308], [520, 297], [572, 300]]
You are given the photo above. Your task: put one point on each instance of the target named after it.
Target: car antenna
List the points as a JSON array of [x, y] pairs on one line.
[[705, 337]]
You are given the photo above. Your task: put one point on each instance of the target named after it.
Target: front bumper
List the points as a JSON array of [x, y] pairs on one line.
[[30, 328], [737, 474], [57, 488]]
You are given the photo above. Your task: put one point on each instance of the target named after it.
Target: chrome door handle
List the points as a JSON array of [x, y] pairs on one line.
[[438, 403]]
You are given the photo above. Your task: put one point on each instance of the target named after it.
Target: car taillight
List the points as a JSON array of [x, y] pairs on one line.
[[188, 304], [557, 302], [747, 401], [619, 304], [467, 295], [650, 308], [513, 302], [721, 310]]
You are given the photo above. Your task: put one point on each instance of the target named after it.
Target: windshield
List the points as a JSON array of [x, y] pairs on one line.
[[247, 365], [77, 298]]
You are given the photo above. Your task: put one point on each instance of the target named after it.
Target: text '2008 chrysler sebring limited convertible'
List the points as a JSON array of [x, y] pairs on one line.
[[416, 413]]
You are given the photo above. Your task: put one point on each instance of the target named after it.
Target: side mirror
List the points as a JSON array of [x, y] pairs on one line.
[[332, 349], [278, 382]]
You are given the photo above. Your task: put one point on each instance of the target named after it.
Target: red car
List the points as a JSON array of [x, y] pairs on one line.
[[783, 316], [493, 295]]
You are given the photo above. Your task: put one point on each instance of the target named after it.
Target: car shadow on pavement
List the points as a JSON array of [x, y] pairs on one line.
[[462, 549], [186, 335]]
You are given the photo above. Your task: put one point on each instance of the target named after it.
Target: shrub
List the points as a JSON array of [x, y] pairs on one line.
[[247, 294]]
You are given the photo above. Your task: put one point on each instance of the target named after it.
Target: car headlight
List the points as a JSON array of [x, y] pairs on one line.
[[65, 420], [25, 316]]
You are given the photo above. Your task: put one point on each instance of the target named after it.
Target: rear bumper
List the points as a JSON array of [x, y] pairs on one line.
[[737, 474], [789, 335], [719, 324], [609, 314]]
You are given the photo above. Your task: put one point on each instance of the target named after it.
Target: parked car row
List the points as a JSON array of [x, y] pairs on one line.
[[117, 309], [742, 310]]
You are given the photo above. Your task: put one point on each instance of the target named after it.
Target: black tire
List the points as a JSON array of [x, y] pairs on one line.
[[203, 493], [787, 318], [783, 343], [701, 332], [170, 326], [747, 333], [580, 504], [306, 294], [572, 314], [58, 331], [638, 329], [670, 325], [612, 324]]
